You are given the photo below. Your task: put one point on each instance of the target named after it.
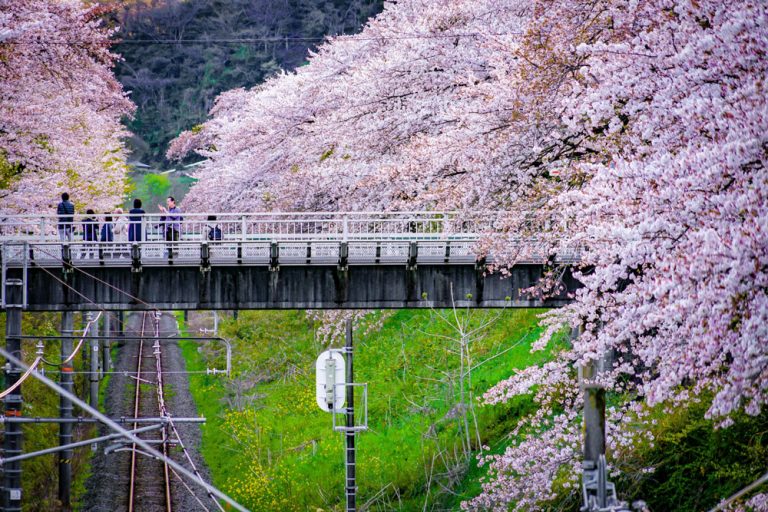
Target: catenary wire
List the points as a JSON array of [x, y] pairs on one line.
[[117, 428]]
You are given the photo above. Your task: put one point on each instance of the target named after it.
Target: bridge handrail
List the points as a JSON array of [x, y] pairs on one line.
[[278, 225]]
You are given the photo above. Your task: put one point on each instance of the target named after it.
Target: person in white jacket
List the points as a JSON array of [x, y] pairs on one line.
[[120, 230]]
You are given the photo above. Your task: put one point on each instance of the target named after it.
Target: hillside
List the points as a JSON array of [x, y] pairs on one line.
[[269, 445], [179, 55]]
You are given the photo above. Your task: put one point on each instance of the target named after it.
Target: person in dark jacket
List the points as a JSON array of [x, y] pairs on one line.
[[65, 210], [107, 234], [135, 218], [90, 233], [214, 230]]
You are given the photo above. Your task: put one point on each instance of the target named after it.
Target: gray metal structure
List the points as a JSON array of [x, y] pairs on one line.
[[350, 489], [280, 261]]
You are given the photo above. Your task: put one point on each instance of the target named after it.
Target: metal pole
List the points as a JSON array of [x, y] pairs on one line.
[[12, 441], [65, 407], [93, 376], [120, 331], [594, 430], [351, 487], [77, 444], [106, 344], [594, 416], [46, 451]]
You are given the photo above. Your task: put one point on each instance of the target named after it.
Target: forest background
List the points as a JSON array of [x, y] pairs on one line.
[[178, 56]]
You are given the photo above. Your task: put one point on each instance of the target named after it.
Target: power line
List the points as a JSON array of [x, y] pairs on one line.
[[125, 433], [254, 40]]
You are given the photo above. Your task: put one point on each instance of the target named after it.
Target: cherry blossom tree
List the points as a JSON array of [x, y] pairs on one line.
[[633, 129], [61, 107]]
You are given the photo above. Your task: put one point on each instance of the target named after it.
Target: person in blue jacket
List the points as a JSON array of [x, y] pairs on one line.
[[135, 220], [107, 235], [65, 210]]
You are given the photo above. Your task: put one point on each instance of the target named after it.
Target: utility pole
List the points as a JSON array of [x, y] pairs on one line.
[[350, 487], [120, 330], [334, 387], [598, 493], [12, 441], [65, 407], [107, 344], [594, 417], [93, 375]]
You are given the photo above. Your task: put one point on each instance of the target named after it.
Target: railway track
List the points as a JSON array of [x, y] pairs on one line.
[[150, 479], [125, 477]]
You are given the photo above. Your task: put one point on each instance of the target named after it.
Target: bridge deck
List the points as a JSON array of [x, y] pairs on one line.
[[272, 261]]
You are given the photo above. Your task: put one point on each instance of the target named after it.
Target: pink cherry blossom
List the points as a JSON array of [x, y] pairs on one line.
[[61, 107], [633, 130]]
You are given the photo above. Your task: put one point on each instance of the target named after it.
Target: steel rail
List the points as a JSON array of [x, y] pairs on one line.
[[163, 412], [137, 397]]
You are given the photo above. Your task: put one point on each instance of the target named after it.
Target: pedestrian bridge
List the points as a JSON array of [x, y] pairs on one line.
[[275, 261]]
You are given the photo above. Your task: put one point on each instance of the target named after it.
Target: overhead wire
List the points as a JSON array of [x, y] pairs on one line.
[[190, 490], [79, 344], [276, 40], [110, 285], [164, 411], [117, 428], [88, 299], [41, 359], [24, 377]]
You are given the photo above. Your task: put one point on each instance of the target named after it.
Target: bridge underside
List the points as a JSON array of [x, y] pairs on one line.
[[289, 287]]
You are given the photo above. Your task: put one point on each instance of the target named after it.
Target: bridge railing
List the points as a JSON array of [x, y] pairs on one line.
[[253, 238], [259, 226]]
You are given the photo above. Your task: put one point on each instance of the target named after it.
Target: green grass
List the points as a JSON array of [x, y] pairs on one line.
[[269, 445]]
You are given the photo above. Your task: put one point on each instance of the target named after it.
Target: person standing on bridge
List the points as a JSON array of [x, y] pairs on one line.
[[120, 229], [135, 218], [65, 211], [107, 232], [90, 233], [214, 230], [172, 220]]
